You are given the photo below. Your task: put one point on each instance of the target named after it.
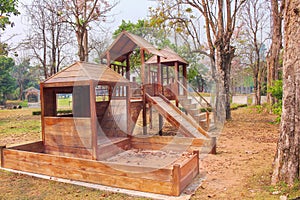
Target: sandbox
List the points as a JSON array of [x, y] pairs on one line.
[[125, 164]]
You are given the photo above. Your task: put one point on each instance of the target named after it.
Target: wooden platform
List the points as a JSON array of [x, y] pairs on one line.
[[168, 180]]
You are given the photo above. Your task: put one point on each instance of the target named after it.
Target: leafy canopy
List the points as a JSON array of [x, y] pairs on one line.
[[7, 9]]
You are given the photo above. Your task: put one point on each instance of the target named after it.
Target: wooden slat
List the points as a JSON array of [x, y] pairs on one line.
[[68, 141], [37, 147], [69, 151], [67, 121]]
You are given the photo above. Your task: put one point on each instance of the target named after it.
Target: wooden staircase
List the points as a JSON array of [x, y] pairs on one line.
[[192, 108], [196, 106]]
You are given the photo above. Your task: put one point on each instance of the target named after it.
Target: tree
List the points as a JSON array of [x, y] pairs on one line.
[[286, 162], [7, 8], [25, 76], [220, 20], [255, 21], [80, 14], [273, 58], [49, 37], [7, 83]]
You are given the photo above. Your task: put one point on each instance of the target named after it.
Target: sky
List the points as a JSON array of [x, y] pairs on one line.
[[127, 9]]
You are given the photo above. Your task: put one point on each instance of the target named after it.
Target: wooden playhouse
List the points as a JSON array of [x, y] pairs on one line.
[[93, 142]]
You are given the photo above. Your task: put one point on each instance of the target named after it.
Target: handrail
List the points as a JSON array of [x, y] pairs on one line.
[[196, 93]]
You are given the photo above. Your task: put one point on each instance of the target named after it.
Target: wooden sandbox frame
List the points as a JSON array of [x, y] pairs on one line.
[[169, 180]]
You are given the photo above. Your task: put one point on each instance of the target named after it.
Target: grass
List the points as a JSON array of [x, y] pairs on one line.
[[17, 126], [17, 186]]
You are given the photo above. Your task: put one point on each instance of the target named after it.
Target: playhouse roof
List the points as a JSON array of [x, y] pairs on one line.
[[170, 57], [83, 72], [127, 42]]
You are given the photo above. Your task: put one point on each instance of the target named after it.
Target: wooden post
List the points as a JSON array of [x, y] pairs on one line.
[[160, 124], [150, 118], [42, 111], [144, 92], [128, 97], [167, 71], [127, 67], [160, 90], [2, 155], [196, 152], [108, 58], [184, 77], [176, 83], [149, 75], [176, 180], [159, 75], [214, 146], [93, 120]]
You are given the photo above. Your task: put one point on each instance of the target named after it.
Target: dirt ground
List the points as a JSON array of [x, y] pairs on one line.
[[240, 170], [242, 167]]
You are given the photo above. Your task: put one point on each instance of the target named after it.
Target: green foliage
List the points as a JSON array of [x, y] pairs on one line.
[[7, 8], [7, 83], [3, 49], [277, 91]]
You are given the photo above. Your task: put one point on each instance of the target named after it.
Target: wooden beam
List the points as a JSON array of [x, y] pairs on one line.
[[94, 120]]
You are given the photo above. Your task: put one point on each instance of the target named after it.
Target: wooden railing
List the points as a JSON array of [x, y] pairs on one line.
[[194, 91]]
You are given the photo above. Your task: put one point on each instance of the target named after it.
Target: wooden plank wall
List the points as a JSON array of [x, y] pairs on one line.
[[68, 136], [114, 122]]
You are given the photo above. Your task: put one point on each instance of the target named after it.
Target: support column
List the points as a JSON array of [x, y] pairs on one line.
[[159, 75], [144, 92], [42, 111], [129, 121], [93, 120], [127, 67], [176, 83], [184, 77], [160, 91]]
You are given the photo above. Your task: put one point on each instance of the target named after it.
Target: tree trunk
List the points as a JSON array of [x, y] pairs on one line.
[[286, 162], [223, 64], [274, 52]]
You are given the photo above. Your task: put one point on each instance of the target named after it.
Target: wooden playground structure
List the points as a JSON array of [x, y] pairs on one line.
[[89, 143]]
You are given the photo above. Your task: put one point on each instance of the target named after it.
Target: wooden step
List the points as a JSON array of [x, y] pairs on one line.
[[193, 111], [200, 116], [189, 106], [185, 101]]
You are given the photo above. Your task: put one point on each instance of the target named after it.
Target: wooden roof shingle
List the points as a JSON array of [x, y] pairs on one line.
[[84, 72], [170, 57]]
